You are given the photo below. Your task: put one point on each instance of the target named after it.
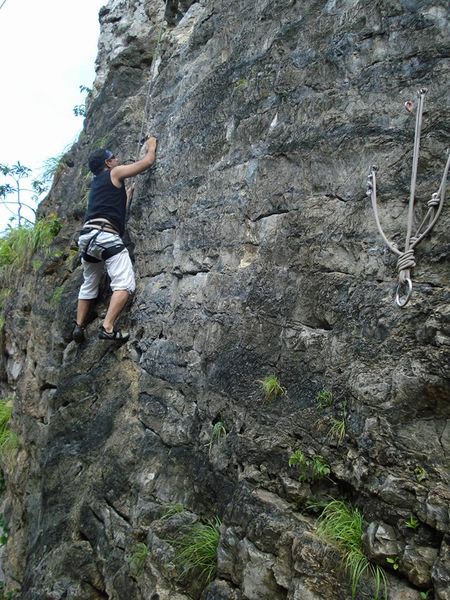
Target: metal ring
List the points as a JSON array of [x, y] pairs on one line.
[[403, 302]]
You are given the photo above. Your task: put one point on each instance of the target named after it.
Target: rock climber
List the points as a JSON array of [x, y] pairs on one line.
[[100, 242]]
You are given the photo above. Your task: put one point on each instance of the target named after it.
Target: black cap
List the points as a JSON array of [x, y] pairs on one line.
[[97, 160]]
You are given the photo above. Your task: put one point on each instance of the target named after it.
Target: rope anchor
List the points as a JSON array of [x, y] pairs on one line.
[[406, 261]]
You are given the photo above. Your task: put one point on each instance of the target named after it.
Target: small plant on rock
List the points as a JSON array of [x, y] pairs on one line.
[[310, 469], [324, 398], [420, 473], [337, 430], [196, 550], [218, 433], [342, 525], [319, 467], [394, 562], [271, 387], [138, 557], [412, 522], [171, 510], [9, 440], [297, 458], [425, 595]]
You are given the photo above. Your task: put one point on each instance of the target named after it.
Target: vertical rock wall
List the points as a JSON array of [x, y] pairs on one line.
[[256, 253]]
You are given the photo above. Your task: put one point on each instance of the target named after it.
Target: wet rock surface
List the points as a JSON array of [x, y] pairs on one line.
[[256, 253]]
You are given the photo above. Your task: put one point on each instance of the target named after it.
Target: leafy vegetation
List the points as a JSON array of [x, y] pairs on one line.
[[9, 440], [81, 109], [412, 522], [171, 510], [324, 398], [19, 245], [138, 557], [420, 473], [342, 525], [218, 433], [53, 167], [337, 430], [310, 469], [196, 550], [394, 562], [271, 387]]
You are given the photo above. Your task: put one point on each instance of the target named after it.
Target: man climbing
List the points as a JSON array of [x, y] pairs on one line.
[[100, 240]]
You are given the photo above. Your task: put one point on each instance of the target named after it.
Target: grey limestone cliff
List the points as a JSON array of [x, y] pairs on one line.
[[256, 252]]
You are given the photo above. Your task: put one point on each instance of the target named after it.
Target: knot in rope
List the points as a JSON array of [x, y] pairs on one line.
[[404, 288], [405, 262], [434, 200]]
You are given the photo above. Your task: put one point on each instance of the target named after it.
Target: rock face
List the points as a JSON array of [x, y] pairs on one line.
[[256, 252]]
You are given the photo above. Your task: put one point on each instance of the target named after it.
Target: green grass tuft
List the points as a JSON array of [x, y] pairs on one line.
[[196, 550], [9, 440], [138, 557], [324, 398], [342, 525], [337, 430], [170, 510], [271, 387], [218, 433]]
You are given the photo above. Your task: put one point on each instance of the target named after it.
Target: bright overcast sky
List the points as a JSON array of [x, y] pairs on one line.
[[47, 50]]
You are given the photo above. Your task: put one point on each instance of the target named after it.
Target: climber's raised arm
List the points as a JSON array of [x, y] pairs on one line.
[[121, 172]]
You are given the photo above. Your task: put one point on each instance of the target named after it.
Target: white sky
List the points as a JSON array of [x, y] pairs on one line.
[[47, 50]]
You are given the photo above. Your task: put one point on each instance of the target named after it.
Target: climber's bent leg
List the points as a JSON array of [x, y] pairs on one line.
[[116, 305]]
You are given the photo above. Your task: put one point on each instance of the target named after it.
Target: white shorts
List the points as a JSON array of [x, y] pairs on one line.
[[119, 268]]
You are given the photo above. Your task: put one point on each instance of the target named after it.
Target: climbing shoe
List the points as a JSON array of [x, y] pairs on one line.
[[116, 335], [78, 334]]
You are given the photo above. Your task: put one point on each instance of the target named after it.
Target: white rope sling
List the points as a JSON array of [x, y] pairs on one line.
[[406, 260]]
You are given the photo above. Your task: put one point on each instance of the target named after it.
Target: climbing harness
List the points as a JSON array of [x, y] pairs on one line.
[[93, 251], [406, 260]]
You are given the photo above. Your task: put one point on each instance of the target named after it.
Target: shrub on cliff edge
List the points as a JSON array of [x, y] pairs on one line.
[[20, 243]]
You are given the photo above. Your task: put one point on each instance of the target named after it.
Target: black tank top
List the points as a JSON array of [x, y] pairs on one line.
[[107, 201]]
